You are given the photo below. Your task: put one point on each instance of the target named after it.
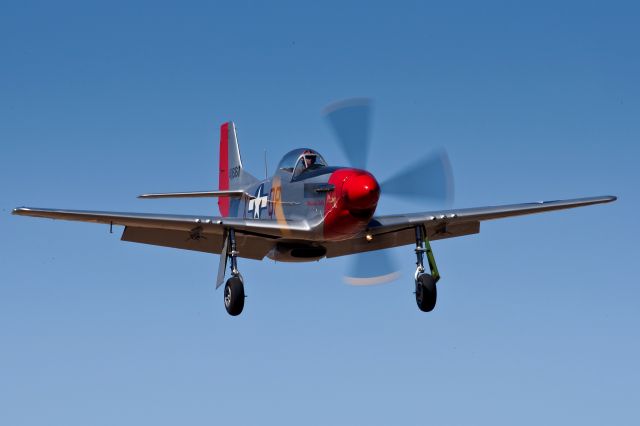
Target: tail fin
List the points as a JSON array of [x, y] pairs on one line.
[[232, 175]]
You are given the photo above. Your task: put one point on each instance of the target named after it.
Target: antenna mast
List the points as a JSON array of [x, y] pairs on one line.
[[266, 170]]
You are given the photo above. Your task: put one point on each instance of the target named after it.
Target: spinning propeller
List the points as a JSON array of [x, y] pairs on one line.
[[429, 179]]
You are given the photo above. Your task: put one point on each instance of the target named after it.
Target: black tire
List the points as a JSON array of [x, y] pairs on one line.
[[426, 292], [234, 296]]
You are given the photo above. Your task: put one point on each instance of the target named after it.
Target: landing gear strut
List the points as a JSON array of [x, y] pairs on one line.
[[426, 291], [233, 289]]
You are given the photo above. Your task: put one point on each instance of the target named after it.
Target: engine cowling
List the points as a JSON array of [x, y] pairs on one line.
[[352, 203]]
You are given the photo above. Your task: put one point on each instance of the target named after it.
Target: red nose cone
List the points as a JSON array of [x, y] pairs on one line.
[[361, 192]]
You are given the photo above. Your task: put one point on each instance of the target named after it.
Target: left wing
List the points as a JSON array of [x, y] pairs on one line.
[[201, 233], [398, 230]]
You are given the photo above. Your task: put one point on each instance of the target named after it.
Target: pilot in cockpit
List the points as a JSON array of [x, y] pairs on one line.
[[309, 158]]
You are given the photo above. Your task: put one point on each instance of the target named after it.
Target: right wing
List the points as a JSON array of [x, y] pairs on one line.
[[398, 230], [255, 237]]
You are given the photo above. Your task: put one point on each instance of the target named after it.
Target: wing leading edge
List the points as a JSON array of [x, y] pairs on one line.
[[438, 218]]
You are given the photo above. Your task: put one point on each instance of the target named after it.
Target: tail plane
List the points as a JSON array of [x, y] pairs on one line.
[[232, 178]]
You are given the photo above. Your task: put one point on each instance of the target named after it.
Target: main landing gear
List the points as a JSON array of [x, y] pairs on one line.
[[234, 288], [426, 291]]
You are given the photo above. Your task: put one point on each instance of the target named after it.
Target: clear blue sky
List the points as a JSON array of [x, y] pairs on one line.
[[538, 317]]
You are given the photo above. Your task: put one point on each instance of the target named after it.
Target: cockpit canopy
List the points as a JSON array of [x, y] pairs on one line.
[[301, 160]]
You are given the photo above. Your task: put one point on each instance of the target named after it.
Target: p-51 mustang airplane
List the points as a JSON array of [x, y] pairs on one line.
[[309, 210]]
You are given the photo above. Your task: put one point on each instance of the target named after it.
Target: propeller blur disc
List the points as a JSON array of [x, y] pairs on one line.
[[428, 179]]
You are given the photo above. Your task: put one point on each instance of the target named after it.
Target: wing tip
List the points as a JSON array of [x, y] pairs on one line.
[[602, 199], [20, 210], [584, 201]]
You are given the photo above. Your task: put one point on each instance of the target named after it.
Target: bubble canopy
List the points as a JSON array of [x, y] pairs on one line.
[[300, 160]]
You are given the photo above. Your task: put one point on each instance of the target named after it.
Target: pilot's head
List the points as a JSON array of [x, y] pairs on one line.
[[309, 158]]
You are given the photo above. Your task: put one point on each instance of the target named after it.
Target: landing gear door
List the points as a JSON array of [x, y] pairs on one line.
[[222, 266]]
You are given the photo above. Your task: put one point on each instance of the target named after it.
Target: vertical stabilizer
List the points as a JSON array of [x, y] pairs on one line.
[[232, 175]]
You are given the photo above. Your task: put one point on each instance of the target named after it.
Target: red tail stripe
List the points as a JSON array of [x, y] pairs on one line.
[[223, 180]]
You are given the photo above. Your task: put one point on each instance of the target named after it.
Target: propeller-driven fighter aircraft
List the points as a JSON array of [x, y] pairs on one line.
[[309, 210]]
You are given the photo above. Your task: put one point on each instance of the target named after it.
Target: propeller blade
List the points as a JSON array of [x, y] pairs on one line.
[[372, 267], [431, 178], [350, 120]]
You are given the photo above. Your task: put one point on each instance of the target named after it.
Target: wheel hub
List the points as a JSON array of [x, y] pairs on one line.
[[227, 296]]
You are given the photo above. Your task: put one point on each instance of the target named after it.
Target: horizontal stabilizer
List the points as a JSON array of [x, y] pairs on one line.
[[238, 193]]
